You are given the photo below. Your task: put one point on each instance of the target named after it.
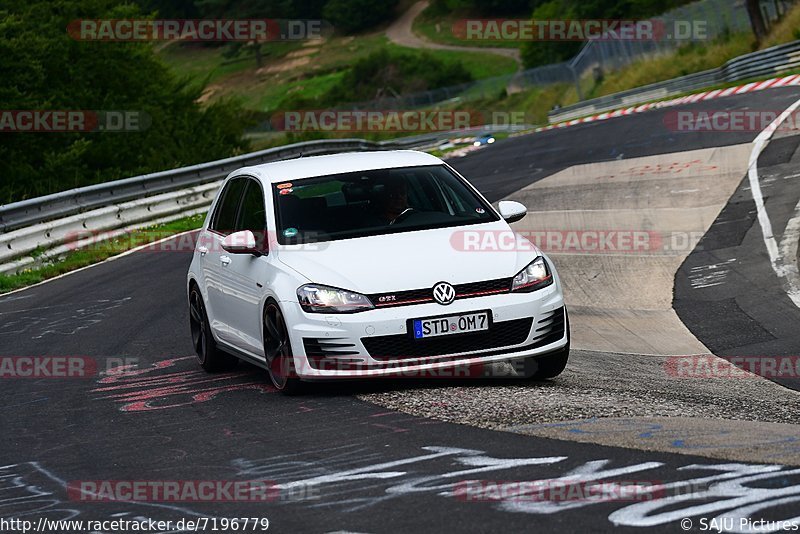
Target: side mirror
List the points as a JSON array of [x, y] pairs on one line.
[[512, 211], [243, 242]]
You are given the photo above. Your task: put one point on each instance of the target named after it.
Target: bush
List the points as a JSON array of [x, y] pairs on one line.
[[386, 73]]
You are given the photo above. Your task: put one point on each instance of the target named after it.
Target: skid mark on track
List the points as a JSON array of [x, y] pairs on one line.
[[354, 478], [12, 298], [696, 166], [31, 492], [710, 275], [172, 384], [60, 319]]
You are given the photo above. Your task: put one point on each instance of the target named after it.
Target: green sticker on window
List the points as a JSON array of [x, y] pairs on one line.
[[290, 232]]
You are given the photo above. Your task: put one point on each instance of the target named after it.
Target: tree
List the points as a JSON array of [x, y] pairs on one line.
[[756, 19], [44, 69], [352, 16]]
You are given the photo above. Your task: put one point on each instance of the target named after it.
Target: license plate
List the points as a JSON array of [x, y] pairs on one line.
[[453, 324]]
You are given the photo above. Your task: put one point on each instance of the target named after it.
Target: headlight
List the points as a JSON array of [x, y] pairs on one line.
[[323, 299], [535, 276]]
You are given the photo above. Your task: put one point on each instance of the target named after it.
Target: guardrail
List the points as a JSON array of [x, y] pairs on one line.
[[763, 63], [54, 238]]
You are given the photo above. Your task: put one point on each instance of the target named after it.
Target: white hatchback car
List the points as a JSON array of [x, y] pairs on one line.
[[369, 264]]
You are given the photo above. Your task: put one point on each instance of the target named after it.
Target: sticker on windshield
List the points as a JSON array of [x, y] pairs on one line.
[[286, 185], [290, 232], [480, 210], [286, 191]]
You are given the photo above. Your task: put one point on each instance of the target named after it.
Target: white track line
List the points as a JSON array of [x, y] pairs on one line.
[[784, 267]]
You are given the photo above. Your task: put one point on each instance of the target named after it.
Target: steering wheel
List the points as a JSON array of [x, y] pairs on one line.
[[406, 212]]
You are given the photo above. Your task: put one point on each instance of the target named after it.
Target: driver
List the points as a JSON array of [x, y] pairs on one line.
[[393, 200]]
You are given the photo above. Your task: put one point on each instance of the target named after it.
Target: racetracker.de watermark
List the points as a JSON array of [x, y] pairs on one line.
[[748, 120], [26, 367], [165, 241], [561, 490], [394, 120], [708, 366], [73, 120], [372, 120], [510, 369], [598, 241], [198, 30], [174, 491], [580, 30]]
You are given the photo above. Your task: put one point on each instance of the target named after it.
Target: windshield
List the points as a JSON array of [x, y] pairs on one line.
[[366, 203]]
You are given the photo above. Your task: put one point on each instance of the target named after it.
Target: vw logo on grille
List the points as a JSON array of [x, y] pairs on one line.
[[444, 293]]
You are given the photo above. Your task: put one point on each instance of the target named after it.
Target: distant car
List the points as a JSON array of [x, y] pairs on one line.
[[345, 266], [483, 139]]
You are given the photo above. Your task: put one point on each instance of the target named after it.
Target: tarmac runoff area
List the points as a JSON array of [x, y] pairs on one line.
[[624, 385], [620, 297]]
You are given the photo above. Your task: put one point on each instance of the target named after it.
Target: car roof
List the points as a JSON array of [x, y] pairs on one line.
[[309, 167]]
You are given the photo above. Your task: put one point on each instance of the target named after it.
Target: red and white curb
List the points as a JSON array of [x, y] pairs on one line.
[[690, 99]]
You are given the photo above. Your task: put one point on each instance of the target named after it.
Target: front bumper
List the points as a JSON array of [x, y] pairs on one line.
[[377, 342]]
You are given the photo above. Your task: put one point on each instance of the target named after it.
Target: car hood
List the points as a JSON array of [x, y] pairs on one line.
[[413, 260]]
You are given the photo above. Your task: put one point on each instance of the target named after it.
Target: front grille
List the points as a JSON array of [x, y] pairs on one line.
[[420, 296], [403, 346]]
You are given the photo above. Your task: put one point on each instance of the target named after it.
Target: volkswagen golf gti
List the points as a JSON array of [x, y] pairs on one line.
[[369, 264]]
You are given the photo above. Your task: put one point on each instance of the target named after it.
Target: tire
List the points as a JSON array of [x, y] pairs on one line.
[[211, 358], [278, 351], [549, 366]]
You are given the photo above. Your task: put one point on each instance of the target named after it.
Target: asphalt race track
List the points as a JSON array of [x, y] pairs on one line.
[[342, 464], [744, 310]]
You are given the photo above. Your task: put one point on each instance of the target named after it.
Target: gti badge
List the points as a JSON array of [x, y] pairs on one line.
[[444, 293]]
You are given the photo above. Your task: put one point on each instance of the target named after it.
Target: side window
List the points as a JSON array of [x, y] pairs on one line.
[[224, 220], [253, 213]]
